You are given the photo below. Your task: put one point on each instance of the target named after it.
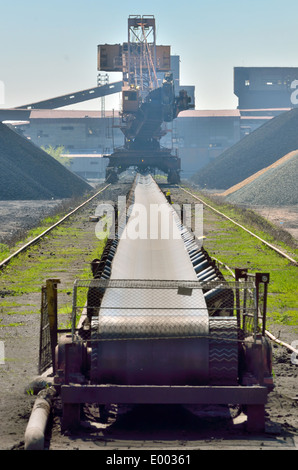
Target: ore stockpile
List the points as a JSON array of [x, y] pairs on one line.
[[261, 148], [275, 186], [29, 173]]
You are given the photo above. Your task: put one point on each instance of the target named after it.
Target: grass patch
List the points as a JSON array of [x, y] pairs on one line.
[[238, 249], [23, 236], [255, 223], [27, 273], [12, 324], [4, 251], [66, 309]]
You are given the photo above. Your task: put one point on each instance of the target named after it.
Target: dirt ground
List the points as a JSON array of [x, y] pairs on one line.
[[285, 217], [141, 427], [17, 217]]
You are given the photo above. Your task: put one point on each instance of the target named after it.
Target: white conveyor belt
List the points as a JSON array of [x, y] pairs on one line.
[[153, 258]]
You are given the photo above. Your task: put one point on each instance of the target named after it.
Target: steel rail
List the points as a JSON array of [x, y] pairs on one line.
[[277, 250], [35, 240]]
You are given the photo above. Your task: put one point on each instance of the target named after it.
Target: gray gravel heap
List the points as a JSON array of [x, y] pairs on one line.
[[29, 173], [276, 187], [261, 148]]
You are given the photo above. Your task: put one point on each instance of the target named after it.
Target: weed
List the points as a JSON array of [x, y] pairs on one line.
[[238, 249]]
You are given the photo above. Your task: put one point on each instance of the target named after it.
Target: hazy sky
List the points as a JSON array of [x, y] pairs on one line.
[[49, 48]]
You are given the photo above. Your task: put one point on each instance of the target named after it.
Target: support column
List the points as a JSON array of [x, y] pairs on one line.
[[255, 418]]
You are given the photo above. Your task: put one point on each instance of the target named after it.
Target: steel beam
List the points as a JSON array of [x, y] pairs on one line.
[[77, 97], [152, 394], [14, 115]]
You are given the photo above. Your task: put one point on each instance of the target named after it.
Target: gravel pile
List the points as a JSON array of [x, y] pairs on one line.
[[261, 148], [29, 173], [275, 187]]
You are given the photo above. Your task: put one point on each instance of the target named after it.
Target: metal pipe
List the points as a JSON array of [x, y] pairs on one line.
[[35, 431]]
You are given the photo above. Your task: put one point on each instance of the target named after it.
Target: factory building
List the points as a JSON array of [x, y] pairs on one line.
[[76, 131], [87, 166], [266, 87], [201, 136], [198, 136]]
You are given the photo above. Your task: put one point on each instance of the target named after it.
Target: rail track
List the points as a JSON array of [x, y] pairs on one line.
[[123, 275], [232, 273], [34, 241], [37, 239], [62, 440], [272, 247], [269, 245]]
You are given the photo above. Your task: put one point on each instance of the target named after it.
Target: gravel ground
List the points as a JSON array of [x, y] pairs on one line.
[[27, 172], [18, 217], [285, 217], [261, 148], [275, 187]]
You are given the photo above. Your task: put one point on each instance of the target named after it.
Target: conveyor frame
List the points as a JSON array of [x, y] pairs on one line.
[[254, 397], [111, 364]]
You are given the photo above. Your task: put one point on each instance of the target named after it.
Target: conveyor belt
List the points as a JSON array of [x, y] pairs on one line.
[[152, 335], [158, 253]]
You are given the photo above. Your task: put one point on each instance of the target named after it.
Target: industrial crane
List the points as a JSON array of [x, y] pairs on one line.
[[146, 103], [148, 100]]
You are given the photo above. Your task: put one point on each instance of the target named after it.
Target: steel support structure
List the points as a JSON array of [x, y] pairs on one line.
[[74, 98], [141, 53], [254, 397]]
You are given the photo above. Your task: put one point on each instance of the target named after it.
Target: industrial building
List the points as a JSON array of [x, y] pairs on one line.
[[198, 136], [265, 87], [204, 135], [76, 131]]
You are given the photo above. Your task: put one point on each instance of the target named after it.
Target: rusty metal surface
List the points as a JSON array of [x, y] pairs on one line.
[[155, 394], [45, 351]]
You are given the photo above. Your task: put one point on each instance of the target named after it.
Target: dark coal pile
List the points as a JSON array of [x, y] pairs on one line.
[[29, 173], [276, 187], [261, 148]]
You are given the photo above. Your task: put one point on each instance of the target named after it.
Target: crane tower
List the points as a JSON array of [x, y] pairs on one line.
[[147, 101]]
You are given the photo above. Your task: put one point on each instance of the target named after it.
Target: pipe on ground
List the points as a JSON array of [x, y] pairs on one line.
[[35, 431]]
